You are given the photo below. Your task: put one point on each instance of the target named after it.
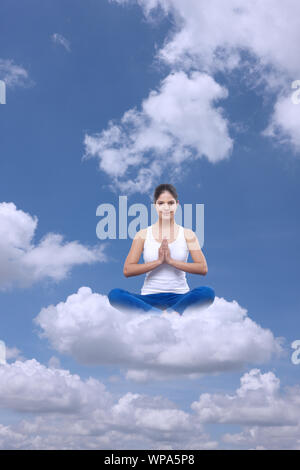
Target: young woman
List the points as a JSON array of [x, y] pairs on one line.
[[165, 246]]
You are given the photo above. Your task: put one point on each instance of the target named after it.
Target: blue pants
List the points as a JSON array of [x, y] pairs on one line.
[[169, 301]]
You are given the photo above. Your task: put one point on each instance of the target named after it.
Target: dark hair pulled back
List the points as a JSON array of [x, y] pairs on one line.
[[165, 187]]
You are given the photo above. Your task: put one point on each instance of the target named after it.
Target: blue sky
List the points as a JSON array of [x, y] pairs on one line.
[[72, 71]]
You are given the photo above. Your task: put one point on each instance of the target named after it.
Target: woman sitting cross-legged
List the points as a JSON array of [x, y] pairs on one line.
[[165, 247]]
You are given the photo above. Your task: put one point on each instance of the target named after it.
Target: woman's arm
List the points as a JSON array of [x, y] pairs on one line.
[[199, 266], [131, 266]]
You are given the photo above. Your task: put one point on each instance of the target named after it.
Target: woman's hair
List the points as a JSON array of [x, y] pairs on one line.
[[165, 187]]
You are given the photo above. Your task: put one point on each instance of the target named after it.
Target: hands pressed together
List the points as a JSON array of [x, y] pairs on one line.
[[164, 252]]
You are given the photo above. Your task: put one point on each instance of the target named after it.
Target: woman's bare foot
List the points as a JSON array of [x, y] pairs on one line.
[[174, 311], [165, 312]]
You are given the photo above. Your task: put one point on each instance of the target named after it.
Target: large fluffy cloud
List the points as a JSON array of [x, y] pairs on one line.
[[31, 386], [212, 36], [270, 417], [152, 346], [23, 262], [177, 123], [65, 412], [256, 402], [59, 410], [260, 39]]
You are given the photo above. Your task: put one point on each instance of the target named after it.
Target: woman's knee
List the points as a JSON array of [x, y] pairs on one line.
[[115, 294], [207, 292]]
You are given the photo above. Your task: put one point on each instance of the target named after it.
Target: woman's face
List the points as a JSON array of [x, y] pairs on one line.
[[166, 205]]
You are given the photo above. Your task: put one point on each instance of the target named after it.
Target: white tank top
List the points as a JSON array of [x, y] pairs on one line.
[[165, 278]]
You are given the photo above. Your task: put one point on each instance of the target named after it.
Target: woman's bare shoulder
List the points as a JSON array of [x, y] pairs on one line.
[[141, 234], [189, 234], [191, 239]]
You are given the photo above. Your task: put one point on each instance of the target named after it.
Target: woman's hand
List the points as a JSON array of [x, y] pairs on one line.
[[164, 252], [168, 258], [161, 253]]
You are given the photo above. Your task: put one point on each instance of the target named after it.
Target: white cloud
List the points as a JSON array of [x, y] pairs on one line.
[[270, 417], [260, 39], [177, 123], [256, 402], [265, 437], [59, 410], [152, 347], [65, 412], [14, 75], [32, 387], [285, 122], [23, 262], [212, 35], [13, 352], [54, 363], [60, 39]]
